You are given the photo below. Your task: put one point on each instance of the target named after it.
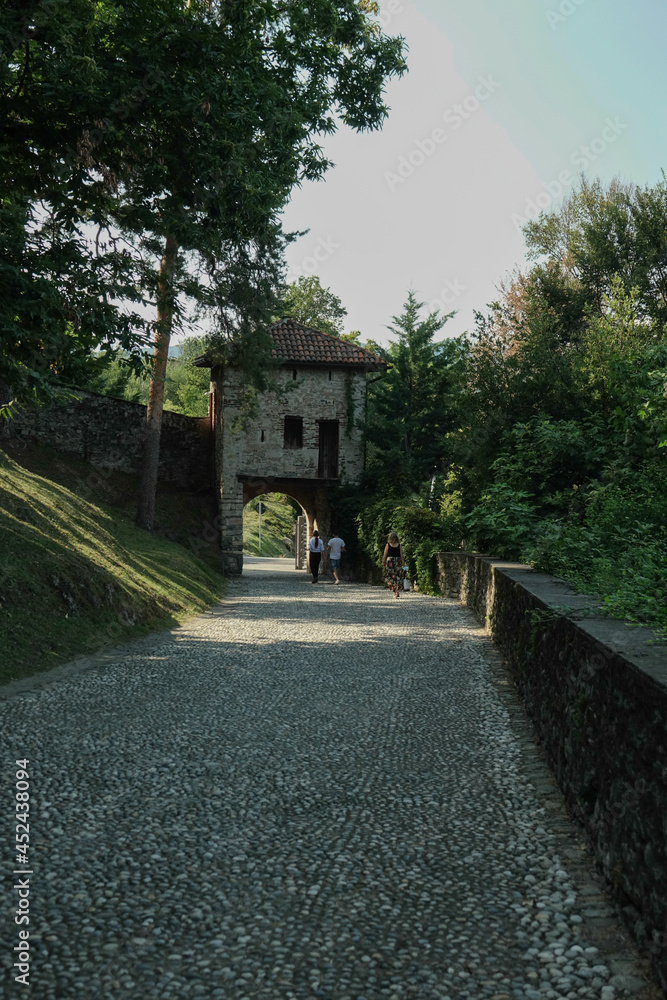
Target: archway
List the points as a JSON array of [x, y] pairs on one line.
[[272, 532], [311, 495]]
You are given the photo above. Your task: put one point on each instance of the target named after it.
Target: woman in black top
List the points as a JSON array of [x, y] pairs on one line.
[[392, 561]]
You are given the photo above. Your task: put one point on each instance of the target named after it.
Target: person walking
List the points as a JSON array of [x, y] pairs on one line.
[[392, 561], [315, 550], [335, 548]]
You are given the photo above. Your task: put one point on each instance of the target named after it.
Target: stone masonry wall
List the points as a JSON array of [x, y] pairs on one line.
[[109, 433], [597, 693], [314, 397], [254, 448]]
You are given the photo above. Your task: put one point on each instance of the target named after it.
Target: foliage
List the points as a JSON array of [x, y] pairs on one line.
[[548, 457], [308, 303], [123, 145], [617, 548], [346, 503], [186, 388], [109, 375], [558, 457], [409, 410], [422, 532], [60, 286], [600, 235], [542, 436], [503, 521]]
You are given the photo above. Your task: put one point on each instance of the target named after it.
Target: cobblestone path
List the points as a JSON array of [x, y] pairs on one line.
[[307, 792]]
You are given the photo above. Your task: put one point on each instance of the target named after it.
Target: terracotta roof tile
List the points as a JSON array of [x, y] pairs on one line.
[[303, 345]]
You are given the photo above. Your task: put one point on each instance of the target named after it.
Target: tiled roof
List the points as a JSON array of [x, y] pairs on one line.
[[301, 345]]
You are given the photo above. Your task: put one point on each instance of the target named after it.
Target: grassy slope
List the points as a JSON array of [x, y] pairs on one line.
[[76, 574], [277, 524]]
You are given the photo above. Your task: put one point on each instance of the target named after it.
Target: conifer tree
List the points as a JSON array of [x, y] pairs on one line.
[[410, 409]]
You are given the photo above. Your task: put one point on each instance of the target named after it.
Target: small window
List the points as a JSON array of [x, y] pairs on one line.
[[329, 376], [262, 438], [294, 374], [293, 432]]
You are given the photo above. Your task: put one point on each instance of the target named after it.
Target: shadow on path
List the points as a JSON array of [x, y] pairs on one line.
[[306, 792]]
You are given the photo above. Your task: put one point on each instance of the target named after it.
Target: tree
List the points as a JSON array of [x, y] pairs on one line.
[[187, 388], [62, 288], [600, 234], [336, 49], [410, 409], [107, 375], [518, 366], [307, 302], [179, 131], [562, 385]]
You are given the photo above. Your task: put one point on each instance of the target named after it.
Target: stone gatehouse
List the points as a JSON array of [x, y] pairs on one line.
[[307, 434]]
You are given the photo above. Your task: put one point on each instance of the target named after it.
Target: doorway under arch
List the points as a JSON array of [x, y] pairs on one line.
[[271, 532], [311, 495]]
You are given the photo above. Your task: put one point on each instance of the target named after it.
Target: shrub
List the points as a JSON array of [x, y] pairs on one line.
[[503, 522], [422, 533], [617, 549]]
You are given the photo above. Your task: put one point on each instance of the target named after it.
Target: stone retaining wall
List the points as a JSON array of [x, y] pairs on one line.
[[109, 433], [597, 694]]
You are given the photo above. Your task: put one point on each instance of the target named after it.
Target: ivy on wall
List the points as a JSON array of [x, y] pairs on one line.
[[349, 406]]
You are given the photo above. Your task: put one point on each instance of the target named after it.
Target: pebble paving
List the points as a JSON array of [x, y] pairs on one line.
[[307, 792]]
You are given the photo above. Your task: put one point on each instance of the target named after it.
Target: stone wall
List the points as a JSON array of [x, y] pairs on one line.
[[256, 446], [596, 691], [251, 453], [109, 433]]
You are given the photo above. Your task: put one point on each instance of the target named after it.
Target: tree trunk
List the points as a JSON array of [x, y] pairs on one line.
[[151, 448], [6, 397]]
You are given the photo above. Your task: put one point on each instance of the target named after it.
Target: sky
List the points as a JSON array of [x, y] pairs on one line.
[[506, 102]]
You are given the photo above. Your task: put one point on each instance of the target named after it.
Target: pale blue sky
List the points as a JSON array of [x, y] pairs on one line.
[[564, 73], [564, 84]]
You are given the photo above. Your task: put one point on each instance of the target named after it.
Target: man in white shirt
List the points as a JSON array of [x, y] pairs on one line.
[[315, 550], [335, 548]]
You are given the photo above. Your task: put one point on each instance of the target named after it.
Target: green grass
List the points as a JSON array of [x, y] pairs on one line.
[[277, 525], [76, 574]]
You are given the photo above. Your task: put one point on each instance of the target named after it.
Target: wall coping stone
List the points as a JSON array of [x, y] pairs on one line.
[[629, 641]]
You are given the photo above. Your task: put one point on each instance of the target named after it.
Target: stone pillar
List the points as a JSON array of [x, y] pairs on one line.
[[310, 520], [231, 489], [231, 530], [323, 513], [323, 517]]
